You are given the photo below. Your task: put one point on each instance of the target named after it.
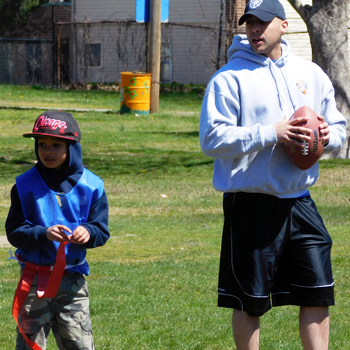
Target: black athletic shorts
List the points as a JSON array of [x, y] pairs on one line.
[[273, 248]]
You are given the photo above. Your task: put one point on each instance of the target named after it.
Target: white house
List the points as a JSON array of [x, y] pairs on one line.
[[190, 40]]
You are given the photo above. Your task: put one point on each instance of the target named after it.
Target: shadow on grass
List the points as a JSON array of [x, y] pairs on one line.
[[184, 134], [132, 161], [138, 161], [15, 162]]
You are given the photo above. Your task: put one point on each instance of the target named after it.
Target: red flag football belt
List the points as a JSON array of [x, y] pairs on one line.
[[48, 283]]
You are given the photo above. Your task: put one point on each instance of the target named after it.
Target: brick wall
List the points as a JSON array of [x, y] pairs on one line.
[[241, 4], [234, 10]]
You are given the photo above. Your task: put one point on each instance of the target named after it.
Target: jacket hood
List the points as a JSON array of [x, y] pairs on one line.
[[65, 180], [241, 48]]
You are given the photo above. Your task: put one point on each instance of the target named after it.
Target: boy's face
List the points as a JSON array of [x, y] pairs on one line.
[[265, 37], [52, 152]]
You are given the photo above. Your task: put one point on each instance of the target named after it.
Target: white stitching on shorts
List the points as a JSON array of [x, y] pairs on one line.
[[233, 296], [324, 286], [233, 271]]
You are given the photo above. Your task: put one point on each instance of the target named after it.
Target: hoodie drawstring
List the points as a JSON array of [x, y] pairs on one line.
[[272, 70], [285, 77]]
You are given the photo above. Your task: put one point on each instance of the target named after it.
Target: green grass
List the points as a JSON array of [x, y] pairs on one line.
[[154, 284], [26, 96]]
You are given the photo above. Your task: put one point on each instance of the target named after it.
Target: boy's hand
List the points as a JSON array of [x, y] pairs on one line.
[[57, 233], [80, 235]]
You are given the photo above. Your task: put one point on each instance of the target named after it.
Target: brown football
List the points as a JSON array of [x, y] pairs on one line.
[[305, 158]]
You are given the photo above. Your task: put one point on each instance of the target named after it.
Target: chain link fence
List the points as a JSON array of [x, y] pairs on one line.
[[102, 51], [26, 62], [98, 52]]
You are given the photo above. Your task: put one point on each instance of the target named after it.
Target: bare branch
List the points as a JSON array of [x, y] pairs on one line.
[[299, 7]]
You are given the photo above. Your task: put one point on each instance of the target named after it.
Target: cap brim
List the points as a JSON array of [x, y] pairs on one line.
[[34, 135], [264, 16]]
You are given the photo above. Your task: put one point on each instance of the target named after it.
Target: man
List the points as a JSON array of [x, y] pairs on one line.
[[274, 241]]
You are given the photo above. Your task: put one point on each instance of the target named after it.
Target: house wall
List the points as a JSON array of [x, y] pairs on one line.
[[193, 53], [297, 32], [104, 10], [123, 48], [195, 11], [181, 11]]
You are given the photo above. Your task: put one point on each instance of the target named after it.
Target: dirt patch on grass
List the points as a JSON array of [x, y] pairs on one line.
[[4, 242]]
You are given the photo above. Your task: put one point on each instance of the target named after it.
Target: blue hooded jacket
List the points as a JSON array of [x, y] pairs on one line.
[[30, 238]]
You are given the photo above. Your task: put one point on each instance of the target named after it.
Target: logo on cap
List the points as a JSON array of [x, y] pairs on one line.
[[44, 122], [253, 4]]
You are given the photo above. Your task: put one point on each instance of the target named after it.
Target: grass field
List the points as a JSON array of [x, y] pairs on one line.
[[154, 284]]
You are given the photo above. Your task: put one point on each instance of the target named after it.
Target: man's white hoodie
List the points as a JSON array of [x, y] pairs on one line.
[[244, 100]]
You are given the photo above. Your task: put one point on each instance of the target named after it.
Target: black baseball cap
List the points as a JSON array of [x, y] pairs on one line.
[[57, 124], [266, 10]]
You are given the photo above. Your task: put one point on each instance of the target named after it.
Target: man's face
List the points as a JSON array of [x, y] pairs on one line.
[[265, 37], [52, 152]]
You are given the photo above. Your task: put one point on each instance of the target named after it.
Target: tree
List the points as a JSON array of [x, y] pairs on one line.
[[14, 12], [327, 24]]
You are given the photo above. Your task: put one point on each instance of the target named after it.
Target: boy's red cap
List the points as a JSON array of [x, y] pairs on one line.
[[57, 124]]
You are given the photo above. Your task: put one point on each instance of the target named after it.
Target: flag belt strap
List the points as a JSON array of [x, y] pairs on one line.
[[48, 283]]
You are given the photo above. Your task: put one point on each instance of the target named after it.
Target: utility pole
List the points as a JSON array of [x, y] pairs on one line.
[[218, 60], [154, 52]]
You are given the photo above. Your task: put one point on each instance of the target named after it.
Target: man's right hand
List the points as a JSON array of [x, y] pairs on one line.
[[288, 131]]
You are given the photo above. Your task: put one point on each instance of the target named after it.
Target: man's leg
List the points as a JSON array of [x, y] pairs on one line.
[[246, 330], [314, 327]]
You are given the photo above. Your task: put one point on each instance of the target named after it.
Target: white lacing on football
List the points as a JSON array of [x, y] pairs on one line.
[[305, 150]]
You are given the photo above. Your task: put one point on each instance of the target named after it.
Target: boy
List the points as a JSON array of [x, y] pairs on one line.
[[58, 210], [274, 241]]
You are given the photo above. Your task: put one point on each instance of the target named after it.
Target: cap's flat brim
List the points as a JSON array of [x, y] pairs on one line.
[[264, 16], [37, 134]]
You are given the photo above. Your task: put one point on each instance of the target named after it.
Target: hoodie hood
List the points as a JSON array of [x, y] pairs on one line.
[[65, 180], [241, 48]]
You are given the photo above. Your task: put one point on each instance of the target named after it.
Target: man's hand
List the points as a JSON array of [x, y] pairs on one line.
[[57, 233], [80, 235], [324, 130], [288, 131]]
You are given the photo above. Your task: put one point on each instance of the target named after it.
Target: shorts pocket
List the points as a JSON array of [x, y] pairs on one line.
[[86, 334]]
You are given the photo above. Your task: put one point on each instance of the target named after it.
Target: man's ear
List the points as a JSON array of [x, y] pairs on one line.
[[284, 26]]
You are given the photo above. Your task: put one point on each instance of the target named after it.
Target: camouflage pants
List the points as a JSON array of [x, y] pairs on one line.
[[67, 315]]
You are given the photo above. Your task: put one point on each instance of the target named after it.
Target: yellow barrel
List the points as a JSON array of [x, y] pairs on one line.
[[135, 92]]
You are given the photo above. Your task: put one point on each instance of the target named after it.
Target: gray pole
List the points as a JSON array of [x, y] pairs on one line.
[[218, 60], [154, 53]]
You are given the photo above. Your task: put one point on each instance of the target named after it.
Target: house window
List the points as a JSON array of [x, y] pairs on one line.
[[92, 55]]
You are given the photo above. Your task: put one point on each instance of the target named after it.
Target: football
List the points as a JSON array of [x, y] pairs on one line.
[[305, 157]]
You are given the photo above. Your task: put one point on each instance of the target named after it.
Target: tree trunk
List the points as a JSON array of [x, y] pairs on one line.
[[327, 24]]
